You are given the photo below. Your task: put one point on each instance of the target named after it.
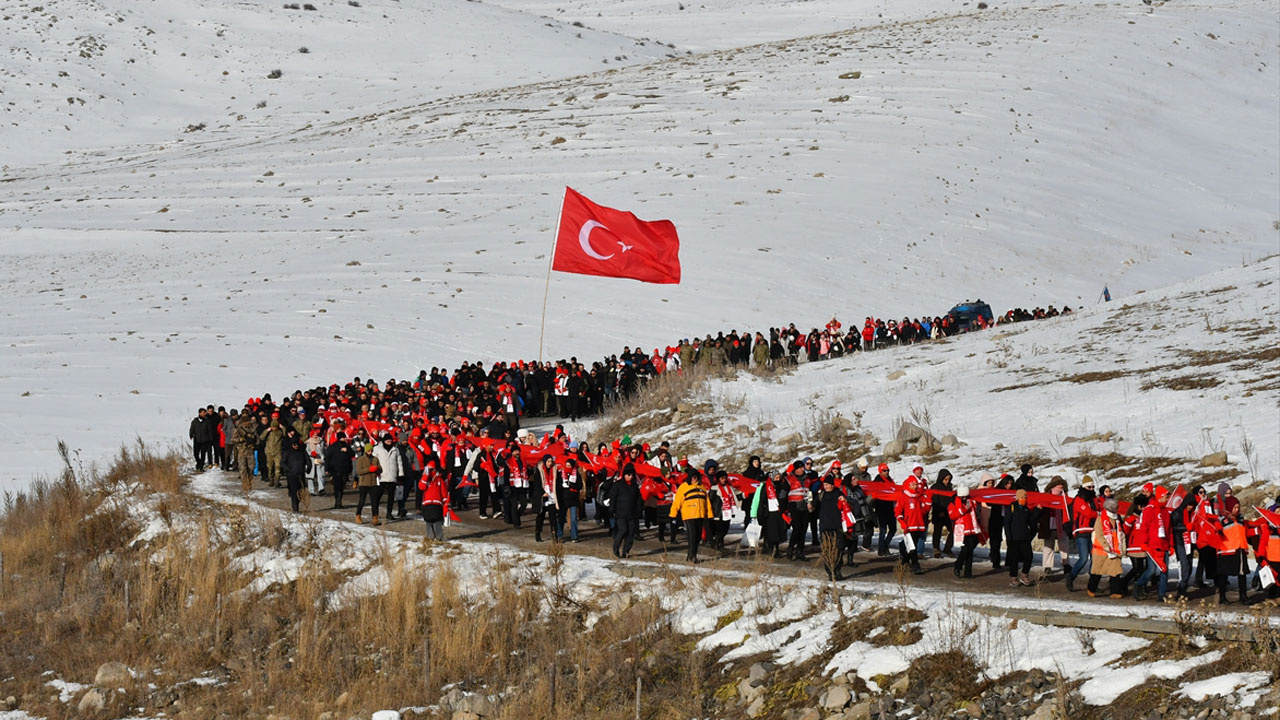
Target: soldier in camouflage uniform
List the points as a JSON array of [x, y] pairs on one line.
[[301, 424], [246, 439], [274, 451]]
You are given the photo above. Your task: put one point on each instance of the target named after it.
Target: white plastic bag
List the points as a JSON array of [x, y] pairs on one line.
[[751, 536]]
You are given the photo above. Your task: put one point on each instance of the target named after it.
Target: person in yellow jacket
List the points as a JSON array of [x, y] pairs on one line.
[[694, 506]]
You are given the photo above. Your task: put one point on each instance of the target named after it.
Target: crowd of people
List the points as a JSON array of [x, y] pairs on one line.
[[499, 397], [435, 444]]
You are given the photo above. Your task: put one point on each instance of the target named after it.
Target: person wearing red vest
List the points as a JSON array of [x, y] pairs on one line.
[[1268, 552], [910, 512], [964, 516], [1233, 559], [1205, 529], [799, 504], [1132, 525], [1080, 522], [1156, 538]]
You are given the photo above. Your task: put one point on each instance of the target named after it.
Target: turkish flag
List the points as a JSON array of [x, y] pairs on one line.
[[595, 240]]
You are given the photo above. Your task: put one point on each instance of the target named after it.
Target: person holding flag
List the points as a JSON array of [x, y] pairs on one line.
[[964, 518], [435, 500], [1156, 535], [1080, 520], [1268, 552], [694, 507], [625, 508], [1233, 559], [1108, 551], [836, 525], [910, 511]]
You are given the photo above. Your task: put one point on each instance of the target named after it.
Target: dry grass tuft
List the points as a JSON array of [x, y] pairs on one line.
[[654, 405], [77, 591]]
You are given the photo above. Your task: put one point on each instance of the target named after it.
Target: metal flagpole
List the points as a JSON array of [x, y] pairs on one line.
[[547, 291]]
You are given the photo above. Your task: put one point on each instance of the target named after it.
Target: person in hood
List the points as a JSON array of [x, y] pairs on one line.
[[910, 510], [625, 509], [941, 516], [1027, 481], [296, 464], [339, 461]]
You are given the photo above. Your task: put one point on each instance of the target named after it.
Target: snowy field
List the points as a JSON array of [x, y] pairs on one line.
[[391, 206], [1161, 380]]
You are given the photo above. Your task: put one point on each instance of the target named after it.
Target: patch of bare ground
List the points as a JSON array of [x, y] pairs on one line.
[[1237, 358], [1117, 465], [1096, 376], [1183, 382], [1019, 386], [888, 626]]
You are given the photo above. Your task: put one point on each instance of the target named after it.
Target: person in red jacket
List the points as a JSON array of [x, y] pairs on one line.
[[910, 512], [1156, 535], [435, 500], [1132, 526], [964, 515], [1084, 511]]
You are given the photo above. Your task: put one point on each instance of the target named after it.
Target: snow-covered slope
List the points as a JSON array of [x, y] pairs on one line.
[[1027, 155], [1131, 392], [93, 74]]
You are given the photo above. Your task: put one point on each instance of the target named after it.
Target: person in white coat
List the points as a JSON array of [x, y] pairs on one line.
[[387, 456], [315, 449]]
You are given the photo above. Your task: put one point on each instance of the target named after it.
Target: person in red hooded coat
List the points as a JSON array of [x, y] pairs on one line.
[[910, 511]]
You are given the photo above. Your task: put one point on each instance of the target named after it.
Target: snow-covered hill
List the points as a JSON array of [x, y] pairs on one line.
[[1130, 392], [96, 74], [1025, 154]]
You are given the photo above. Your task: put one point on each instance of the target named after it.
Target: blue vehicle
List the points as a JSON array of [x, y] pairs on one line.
[[965, 315]]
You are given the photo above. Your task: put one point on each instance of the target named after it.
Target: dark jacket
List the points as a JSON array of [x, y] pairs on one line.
[[624, 500], [339, 459], [828, 504], [1021, 522], [202, 430], [940, 503], [295, 462]]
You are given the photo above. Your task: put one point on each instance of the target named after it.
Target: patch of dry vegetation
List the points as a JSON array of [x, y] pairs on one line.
[[77, 590], [655, 404]]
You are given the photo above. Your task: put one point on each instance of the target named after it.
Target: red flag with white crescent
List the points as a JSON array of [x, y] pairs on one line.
[[597, 240]]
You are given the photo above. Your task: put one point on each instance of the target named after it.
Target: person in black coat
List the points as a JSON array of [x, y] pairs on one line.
[[995, 521], [941, 518], [203, 434], [1021, 526], [626, 506], [1027, 481], [831, 527], [295, 464], [338, 463]]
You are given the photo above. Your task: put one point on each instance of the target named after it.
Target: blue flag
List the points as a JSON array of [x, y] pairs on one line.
[[1106, 294]]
